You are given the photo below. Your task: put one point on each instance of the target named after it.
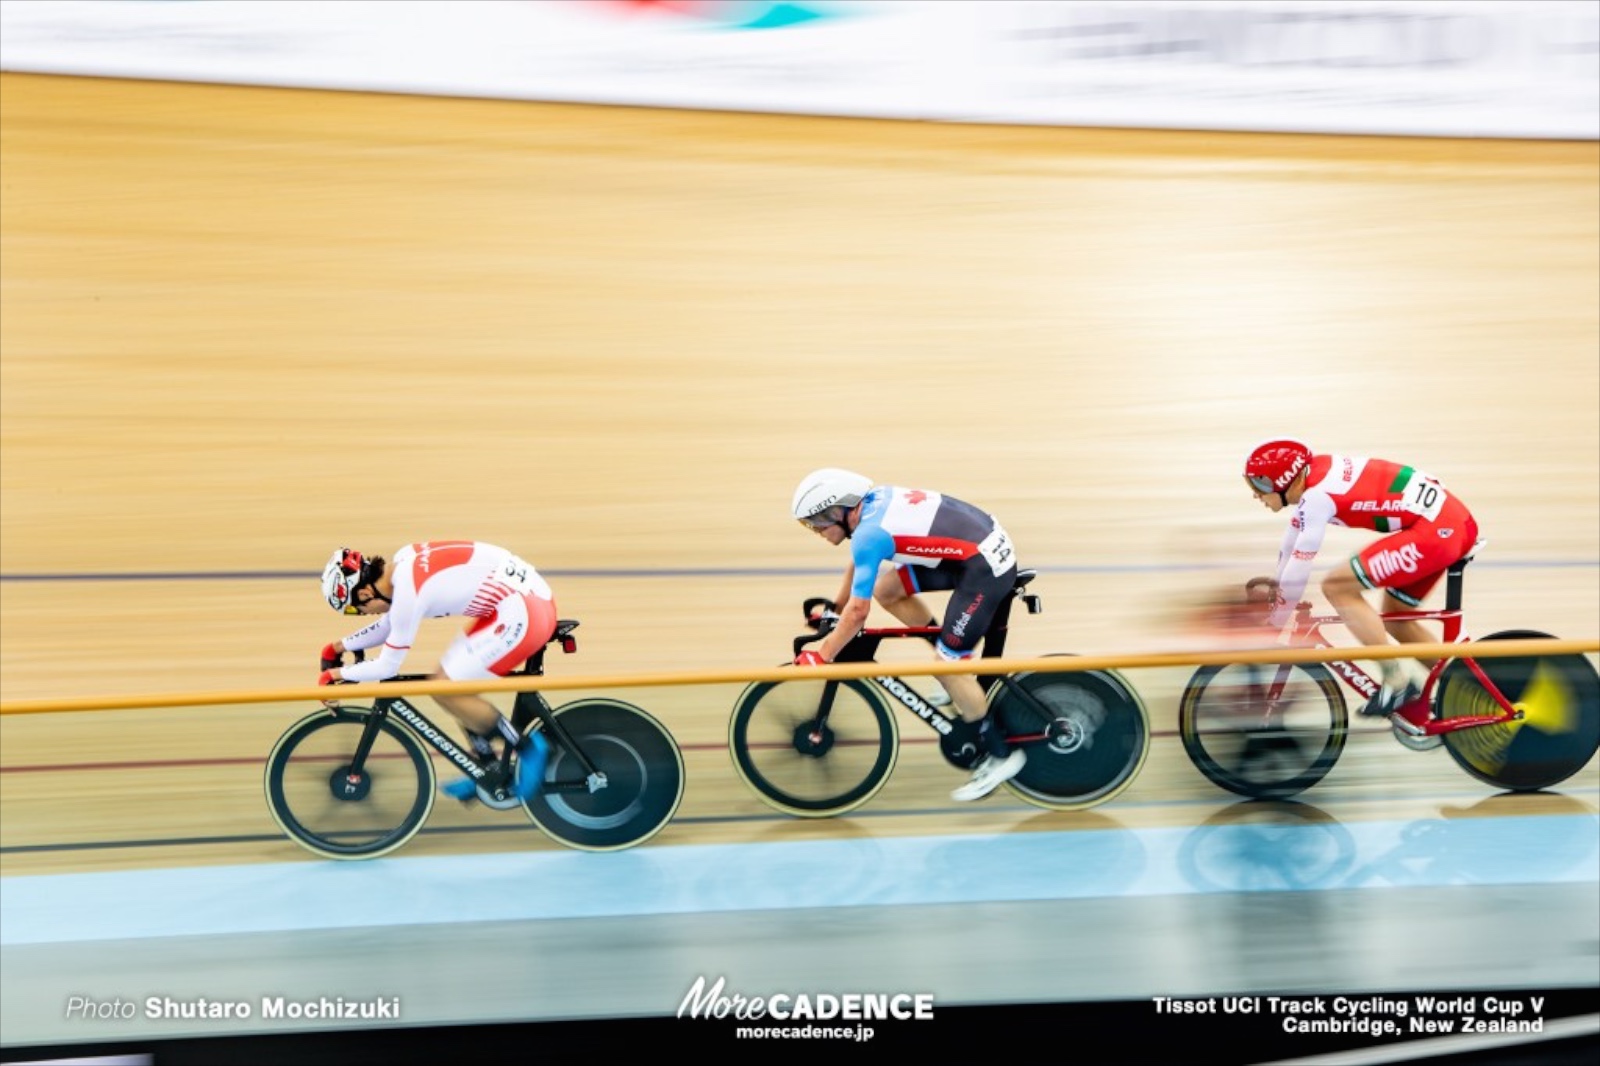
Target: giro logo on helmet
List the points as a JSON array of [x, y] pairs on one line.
[[828, 487]]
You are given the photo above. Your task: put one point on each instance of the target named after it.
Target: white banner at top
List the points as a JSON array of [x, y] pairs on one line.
[[1489, 68]]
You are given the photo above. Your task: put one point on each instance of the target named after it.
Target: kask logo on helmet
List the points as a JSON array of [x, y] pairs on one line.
[[1290, 474]]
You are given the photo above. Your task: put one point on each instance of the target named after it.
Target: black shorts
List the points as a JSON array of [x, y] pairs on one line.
[[976, 593]]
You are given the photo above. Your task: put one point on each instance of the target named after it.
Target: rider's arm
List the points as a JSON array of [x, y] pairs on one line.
[[869, 548], [1300, 549], [851, 619], [400, 631], [368, 636], [844, 588]]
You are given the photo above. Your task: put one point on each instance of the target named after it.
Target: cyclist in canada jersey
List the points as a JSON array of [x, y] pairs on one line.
[[1427, 530], [511, 612], [904, 542]]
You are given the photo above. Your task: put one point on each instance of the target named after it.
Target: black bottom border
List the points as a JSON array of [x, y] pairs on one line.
[[1083, 1033]]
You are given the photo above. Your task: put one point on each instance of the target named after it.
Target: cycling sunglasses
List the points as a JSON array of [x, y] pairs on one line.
[[819, 521], [1260, 483]]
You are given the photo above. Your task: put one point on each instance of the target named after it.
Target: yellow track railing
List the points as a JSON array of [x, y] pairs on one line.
[[1485, 649]]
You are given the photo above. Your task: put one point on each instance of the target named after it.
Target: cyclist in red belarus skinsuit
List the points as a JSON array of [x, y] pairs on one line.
[[512, 612], [1427, 527]]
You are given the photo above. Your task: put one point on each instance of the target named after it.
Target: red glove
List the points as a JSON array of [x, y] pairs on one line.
[[327, 679], [810, 658], [331, 658]]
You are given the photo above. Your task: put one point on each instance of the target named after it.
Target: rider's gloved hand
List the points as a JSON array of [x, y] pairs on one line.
[[1262, 590], [332, 658], [810, 658], [326, 678], [1262, 594]]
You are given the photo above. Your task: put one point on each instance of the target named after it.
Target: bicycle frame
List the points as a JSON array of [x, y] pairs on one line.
[[527, 706], [864, 648], [1416, 717]]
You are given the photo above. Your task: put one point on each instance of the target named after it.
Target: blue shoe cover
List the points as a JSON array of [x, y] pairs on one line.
[[463, 788], [531, 756]]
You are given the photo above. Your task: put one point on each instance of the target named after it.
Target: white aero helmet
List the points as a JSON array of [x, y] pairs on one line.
[[340, 579], [828, 487]]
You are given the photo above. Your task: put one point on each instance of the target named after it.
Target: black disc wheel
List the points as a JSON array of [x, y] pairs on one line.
[[636, 787]]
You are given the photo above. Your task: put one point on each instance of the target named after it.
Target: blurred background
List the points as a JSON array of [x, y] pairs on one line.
[[600, 281]]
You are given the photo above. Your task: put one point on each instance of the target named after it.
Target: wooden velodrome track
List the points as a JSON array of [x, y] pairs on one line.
[[243, 326]]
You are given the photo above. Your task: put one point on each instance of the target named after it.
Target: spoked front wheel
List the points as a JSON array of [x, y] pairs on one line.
[[643, 775], [346, 785], [813, 748], [1264, 731], [1087, 735], [1559, 696]]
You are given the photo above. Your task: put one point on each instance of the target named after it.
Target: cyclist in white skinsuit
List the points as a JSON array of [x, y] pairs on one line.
[[512, 612]]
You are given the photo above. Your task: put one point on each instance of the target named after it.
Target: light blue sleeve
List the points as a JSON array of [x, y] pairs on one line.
[[870, 547]]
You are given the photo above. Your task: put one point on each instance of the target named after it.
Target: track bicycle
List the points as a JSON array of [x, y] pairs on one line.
[[353, 782], [815, 749], [1518, 723]]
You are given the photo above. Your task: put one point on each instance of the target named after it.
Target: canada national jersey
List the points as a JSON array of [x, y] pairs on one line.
[[924, 529], [433, 579]]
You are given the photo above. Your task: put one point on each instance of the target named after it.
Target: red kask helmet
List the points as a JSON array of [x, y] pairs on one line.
[[1273, 466]]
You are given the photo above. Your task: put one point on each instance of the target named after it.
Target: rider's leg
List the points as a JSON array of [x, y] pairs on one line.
[[1407, 631], [481, 719], [973, 602], [895, 592], [492, 647], [967, 695], [1347, 595], [1405, 565], [476, 714], [1345, 589], [1000, 762]]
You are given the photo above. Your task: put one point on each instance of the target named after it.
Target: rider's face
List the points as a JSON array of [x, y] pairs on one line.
[[829, 525], [1270, 500], [1275, 502], [367, 601]]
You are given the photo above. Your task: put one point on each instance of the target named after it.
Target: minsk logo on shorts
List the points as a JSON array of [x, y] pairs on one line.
[[1402, 560]]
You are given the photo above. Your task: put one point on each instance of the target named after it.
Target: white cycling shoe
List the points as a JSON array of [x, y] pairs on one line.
[[990, 775]]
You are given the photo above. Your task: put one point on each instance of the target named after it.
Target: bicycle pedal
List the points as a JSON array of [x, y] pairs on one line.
[[499, 799], [1416, 742]]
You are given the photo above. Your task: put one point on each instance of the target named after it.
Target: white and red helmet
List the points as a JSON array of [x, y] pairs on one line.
[[344, 573]]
